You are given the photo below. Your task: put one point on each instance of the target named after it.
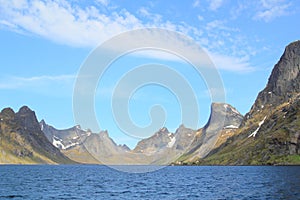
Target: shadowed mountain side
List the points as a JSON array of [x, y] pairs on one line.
[[23, 142]]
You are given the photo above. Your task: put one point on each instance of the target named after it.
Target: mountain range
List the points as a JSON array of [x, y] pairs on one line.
[[269, 134]]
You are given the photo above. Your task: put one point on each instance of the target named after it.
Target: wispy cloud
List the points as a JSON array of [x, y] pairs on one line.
[[229, 63], [215, 4], [61, 22], [37, 82], [155, 18], [67, 23], [103, 2], [200, 18], [196, 3], [271, 9]]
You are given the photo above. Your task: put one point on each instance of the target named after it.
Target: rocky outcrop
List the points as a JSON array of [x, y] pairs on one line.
[[283, 83], [184, 137], [223, 117], [156, 143], [23, 141]]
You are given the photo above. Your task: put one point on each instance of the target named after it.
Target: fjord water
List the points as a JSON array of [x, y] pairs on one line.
[[174, 182]]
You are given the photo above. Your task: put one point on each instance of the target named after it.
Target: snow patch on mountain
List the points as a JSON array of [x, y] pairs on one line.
[[58, 143], [253, 134], [230, 127], [172, 142]]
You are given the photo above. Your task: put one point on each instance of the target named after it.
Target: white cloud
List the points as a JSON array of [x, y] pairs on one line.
[[8, 24], [200, 18], [67, 23], [15, 82], [271, 9], [215, 4], [196, 3], [103, 2], [230, 63], [239, 9], [155, 18]]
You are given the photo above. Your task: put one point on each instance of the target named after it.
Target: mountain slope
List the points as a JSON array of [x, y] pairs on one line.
[[85, 146], [156, 143], [164, 147], [283, 83], [69, 141], [269, 133], [23, 142], [223, 122]]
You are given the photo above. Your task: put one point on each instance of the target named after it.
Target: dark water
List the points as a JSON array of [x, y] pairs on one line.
[[100, 182]]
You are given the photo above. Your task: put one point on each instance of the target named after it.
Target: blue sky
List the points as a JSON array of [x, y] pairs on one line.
[[44, 43]]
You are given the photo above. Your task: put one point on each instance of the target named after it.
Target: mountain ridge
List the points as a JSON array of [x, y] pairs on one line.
[[22, 141]]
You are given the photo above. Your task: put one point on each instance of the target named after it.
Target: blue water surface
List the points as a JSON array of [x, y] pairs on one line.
[[174, 182]]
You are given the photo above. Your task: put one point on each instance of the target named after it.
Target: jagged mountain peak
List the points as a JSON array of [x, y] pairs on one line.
[[43, 122], [224, 106], [180, 129], [154, 143], [7, 113], [26, 117], [283, 83], [23, 137], [24, 110], [104, 133], [124, 147], [78, 127], [284, 79], [163, 130], [222, 115]]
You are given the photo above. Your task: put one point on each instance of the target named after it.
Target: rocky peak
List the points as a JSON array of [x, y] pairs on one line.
[[155, 143], [26, 136], [184, 133], [180, 128], [7, 113], [42, 122], [222, 115], [163, 130], [78, 127], [124, 147], [27, 118], [25, 110], [284, 81], [104, 133]]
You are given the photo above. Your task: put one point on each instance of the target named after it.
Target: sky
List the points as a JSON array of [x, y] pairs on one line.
[[44, 44]]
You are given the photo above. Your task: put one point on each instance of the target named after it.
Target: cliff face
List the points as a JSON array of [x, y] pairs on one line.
[[224, 120], [283, 83], [22, 141], [269, 133]]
